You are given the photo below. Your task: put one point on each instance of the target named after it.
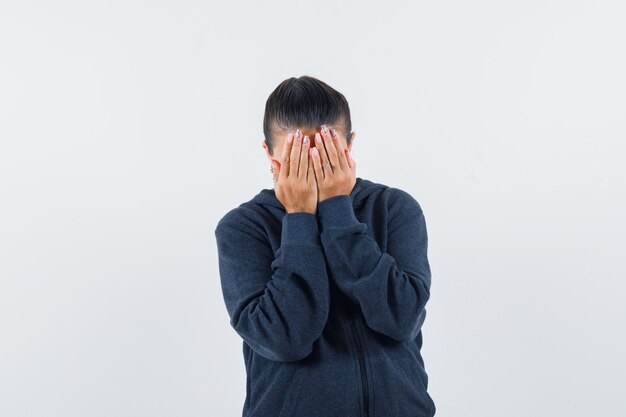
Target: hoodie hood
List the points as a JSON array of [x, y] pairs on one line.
[[361, 190]]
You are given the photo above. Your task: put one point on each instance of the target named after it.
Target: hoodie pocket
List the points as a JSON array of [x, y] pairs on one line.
[[292, 399], [420, 375]]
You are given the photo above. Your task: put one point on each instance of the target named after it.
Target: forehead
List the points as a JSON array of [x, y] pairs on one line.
[[280, 134]]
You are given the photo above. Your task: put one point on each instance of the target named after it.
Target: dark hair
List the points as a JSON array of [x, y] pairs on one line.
[[305, 102]]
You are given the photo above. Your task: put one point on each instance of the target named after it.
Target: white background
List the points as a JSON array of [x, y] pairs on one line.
[[129, 128]]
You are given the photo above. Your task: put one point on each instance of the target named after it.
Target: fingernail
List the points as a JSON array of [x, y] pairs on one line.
[[298, 133], [325, 129], [306, 139], [334, 133], [318, 138]]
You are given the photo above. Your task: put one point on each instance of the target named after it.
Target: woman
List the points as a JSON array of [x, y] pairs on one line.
[[325, 277]]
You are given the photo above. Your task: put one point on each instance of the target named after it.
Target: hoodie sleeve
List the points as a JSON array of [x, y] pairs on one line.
[[278, 305], [392, 287]]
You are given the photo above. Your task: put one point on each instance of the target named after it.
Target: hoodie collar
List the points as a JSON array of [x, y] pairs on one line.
[[267, 196]]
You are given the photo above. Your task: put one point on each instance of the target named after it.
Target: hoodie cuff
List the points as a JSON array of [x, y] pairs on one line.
[[300, 229], [336, 211]]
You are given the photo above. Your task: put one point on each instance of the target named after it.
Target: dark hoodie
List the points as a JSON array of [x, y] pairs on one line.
[[330, 306]]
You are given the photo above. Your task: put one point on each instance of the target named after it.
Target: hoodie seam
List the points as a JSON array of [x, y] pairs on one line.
[[369, 375], [355, 365]]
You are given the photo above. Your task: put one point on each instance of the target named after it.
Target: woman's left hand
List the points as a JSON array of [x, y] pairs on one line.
[[340, 177]]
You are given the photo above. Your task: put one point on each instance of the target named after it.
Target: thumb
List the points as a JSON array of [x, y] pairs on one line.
[[349, 158], [352, 163]]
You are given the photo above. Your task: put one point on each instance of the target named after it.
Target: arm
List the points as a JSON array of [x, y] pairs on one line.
[[279, 306], [391, 287]]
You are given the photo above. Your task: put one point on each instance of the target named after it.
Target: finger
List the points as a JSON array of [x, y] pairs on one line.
[[295, 155], [344, 164], [284, 169], [304, 158], [317, 165], [321, 149], [311, 174], [331, 150]]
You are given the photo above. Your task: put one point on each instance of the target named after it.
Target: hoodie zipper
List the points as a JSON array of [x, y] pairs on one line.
[[359, 348]]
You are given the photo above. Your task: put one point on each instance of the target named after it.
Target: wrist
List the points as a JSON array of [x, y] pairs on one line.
[[294, 211]]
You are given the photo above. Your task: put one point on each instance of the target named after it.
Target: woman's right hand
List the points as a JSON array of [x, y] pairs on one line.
[[296, 187]]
